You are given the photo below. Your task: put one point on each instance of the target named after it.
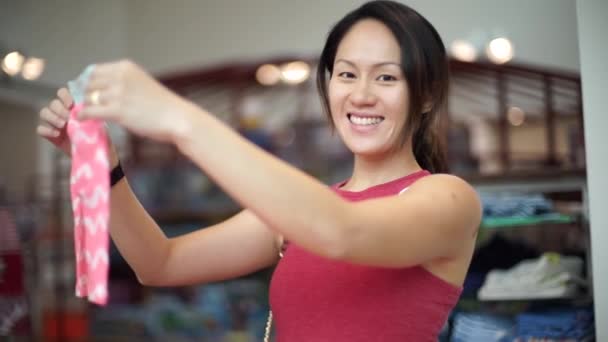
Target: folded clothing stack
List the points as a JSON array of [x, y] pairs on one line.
[[550, 276], [482, 327], [557, 325], [515, 205]]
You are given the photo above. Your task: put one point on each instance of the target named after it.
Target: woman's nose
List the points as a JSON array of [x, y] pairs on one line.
[[362, 94]]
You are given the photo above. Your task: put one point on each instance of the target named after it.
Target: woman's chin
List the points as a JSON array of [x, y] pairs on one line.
[[367, 150]]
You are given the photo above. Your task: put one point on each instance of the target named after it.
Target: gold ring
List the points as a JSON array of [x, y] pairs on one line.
[[95, 97]]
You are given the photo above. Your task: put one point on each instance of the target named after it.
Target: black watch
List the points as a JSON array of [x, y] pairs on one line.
[[116, 175]]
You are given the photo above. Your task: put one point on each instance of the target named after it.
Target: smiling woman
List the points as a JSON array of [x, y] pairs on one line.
[[369, 92], [380, 256], [389, 53]]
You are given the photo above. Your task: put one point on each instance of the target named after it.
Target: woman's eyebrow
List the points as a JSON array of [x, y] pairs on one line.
[[375, 65]]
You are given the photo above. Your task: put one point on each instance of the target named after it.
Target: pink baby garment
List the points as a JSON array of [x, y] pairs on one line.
[[89, 188]]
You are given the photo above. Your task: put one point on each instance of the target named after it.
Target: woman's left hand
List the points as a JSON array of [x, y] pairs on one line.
[[124, 93]]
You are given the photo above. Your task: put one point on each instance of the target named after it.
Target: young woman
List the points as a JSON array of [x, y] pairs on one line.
[[379, 257]]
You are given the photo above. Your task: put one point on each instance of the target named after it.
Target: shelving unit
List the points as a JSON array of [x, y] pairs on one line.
[[563, 184], [539, 221], [529, 235]]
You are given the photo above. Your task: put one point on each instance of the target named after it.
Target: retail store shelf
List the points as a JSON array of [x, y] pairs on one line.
[[540, 221]]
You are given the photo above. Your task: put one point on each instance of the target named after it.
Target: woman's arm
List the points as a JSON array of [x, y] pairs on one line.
[[289, 201], [433, 220], [235, 247]]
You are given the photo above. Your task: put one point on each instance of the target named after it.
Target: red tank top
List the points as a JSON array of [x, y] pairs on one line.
[[316, 299]]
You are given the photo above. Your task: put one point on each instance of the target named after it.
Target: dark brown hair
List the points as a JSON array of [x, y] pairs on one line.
[[424, 64]]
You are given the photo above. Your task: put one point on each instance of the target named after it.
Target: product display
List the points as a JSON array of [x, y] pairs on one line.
[[480, 327], [550, 276], [565, 324]]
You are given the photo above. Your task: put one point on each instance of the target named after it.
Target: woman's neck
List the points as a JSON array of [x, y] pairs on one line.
[[368, 172]]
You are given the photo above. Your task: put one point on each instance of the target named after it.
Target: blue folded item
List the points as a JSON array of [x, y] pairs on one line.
[[557, 324], [515, 205], [473, 327]]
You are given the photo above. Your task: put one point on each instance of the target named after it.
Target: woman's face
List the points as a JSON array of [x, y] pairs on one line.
[[368, 93]]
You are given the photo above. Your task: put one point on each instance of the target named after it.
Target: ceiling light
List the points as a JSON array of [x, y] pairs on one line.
[[295, 72], [268, 74], [500, 50], [12, 63], [33, 68], [463, 50]]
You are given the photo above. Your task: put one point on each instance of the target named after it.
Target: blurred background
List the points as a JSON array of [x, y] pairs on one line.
[[515, 130]]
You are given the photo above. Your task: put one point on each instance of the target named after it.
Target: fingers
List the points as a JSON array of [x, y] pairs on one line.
[[47, 132], [65, 97], [97, 83], [53, 119], [96, 97], [98, 92], [99, 98], [103, 76], [99, 80], [104, 93], [105, 68], [58, 109], [99, 111]]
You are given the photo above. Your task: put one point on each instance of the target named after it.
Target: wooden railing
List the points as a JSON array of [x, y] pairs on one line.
[[479, 91]]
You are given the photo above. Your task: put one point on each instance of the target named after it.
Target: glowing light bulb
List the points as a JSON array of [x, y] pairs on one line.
[[500, 50], [268, 74], [463, 50], [295, 72], [12, 63], [33, 68]]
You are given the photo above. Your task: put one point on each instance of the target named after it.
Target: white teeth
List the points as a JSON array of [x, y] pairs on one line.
[[364, 121]]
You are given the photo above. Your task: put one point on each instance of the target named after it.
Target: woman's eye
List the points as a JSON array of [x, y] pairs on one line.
[[387, 78], [346, 74]]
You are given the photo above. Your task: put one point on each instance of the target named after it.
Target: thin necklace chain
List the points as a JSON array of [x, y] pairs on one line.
[[268, 327]]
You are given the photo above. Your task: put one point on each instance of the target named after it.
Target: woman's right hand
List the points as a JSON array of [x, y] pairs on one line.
[[53, 121]]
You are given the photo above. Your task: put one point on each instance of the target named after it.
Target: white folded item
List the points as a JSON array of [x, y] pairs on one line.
[[565, 291], [551, 275], [547, 281]]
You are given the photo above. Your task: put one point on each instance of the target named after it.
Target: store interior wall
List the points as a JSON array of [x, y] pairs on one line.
[[195, 33], [68, 34], [168, 36]]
